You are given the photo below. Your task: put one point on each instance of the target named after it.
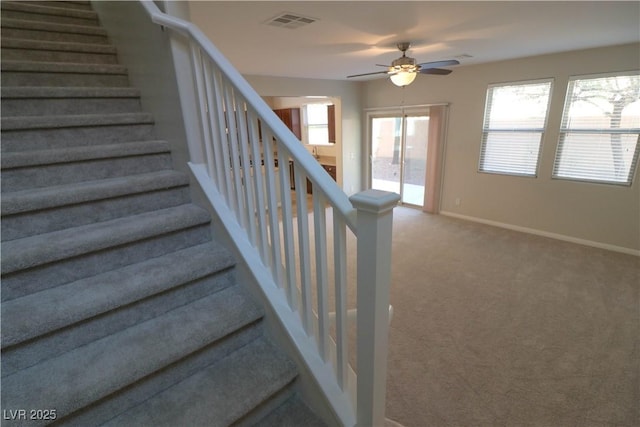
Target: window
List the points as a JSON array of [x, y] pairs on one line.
[[514, 122], [600, 130], [316, 123]]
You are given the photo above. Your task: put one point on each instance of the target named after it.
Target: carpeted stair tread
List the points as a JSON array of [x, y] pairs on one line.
[[113, 129], [13, 43], [45, 101], [77, 4], [62, 67], [292, 413], [20, 159], [63, 195], [25, 24], [123, 358], [68, 92], [211, 397], [58, 245], [76, 301], [71, 121], [46, 10]]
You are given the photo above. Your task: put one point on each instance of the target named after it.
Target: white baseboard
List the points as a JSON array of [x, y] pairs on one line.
[[557, 236]]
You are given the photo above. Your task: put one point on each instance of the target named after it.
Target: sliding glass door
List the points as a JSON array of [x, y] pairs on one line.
[[399, 154]]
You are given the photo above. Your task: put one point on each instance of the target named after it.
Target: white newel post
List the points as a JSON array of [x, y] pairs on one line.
[[375, 222]]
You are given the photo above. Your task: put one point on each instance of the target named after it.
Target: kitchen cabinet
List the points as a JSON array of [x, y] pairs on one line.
[[291, 118], [331, 170], [331, 123]]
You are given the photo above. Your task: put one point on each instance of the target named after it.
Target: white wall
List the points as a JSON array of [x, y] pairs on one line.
[[142, 47], [349, 155], [605, 215]]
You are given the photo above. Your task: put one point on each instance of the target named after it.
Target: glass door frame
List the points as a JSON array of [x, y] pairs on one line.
[[401, 113]]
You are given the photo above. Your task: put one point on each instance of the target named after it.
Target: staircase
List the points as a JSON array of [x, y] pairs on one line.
[[118, 308]]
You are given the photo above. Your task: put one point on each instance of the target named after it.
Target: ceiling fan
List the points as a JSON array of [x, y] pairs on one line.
[[403, 70]]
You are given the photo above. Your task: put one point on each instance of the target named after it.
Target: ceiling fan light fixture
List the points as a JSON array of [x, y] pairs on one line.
[[403, 71], [403, 78]]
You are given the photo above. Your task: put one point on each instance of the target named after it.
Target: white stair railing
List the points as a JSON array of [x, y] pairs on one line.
[[247, 162]]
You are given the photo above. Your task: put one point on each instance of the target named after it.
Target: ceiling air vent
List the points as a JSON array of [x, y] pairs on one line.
[[290, 21]]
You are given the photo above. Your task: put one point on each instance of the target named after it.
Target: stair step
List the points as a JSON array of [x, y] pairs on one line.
[[44, 92], [117, 403], [174, 237], [25, 10], [50, 101], [34, 30], [37, 211], [57, 67], [292, 413], [69, 4], [72, 121], [210, 397], [73, 194], [34, 73], [24, 159], [65, 166], [128, 356], [84, 299], [46, 248], [49, 51], [22, 133]]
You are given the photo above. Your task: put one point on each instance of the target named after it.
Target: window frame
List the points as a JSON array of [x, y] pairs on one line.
[[564, 131], [541, 130], [308, 126]]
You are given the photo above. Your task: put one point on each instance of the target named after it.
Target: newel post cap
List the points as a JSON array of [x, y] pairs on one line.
[[375, 201]]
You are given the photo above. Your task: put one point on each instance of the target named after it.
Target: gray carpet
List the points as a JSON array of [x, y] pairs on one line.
[[498, 328]]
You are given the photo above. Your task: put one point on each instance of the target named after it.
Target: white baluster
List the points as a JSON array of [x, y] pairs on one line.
[[340, 270], [320, 232], [272, 201], [287, 228], [259, 187], [247, 167]]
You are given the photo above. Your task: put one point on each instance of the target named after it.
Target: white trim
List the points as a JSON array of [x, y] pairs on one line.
[[563, 237], [403, 107], [602, 75], [523, 82]]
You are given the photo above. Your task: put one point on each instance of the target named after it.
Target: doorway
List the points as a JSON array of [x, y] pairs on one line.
[[398, 145]]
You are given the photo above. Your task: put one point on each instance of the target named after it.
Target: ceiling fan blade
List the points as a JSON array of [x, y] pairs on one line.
[[367, 74], [382, 65], [436, 64], [436, 71]]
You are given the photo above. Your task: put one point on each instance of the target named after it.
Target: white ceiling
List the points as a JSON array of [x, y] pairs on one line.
[[350, 37]]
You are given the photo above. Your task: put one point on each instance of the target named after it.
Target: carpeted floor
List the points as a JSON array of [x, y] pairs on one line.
[[499, 328]]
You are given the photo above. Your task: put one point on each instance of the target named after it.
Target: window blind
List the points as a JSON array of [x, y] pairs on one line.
[[514, 122], [600, 131]]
